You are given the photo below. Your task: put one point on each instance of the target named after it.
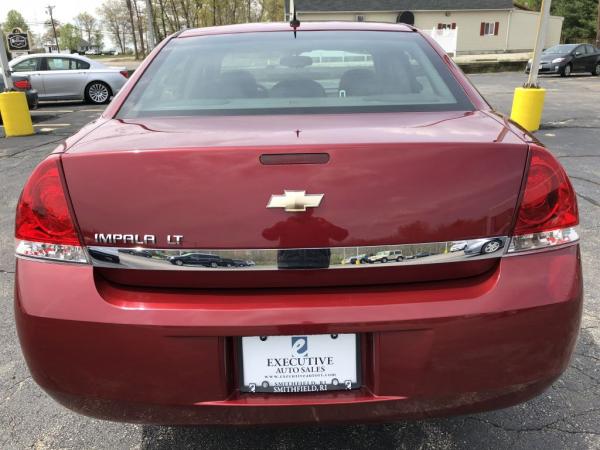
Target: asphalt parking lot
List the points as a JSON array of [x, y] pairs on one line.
[[567, 416]]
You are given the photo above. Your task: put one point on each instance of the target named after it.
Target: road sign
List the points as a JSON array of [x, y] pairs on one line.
[[17, 41]]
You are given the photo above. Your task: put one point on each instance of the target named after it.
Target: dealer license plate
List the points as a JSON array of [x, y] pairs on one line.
[[300, 363]]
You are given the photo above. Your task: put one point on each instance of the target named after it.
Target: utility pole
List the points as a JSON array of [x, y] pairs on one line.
[[150, 24], [49, 12]]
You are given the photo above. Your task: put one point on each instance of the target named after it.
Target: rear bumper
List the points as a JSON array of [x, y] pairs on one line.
[[427, 349]]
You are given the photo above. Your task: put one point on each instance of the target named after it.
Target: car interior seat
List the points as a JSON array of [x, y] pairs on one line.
[[297, 87], [232, 84], [358, 82]]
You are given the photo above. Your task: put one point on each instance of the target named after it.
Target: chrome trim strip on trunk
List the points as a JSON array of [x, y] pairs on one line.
[[143, 258]]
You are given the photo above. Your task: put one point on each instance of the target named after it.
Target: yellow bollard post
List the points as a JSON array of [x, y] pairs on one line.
[[527, 107], [15, 114]]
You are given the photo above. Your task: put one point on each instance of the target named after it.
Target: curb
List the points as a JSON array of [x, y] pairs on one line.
[[493, 66]]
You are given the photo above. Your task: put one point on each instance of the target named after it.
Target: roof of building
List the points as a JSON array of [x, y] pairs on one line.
[[398, 5]]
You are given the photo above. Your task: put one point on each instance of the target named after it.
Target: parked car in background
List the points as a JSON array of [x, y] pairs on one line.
[[422, 254], [196, 259], [458, 246], [483, 246], [93, 52], [225, 262], [206, 260], [138, 252], [22, 83], [70, 77], [109, 255], [566, 59], [362, 259], [243, 263], [386, 256]]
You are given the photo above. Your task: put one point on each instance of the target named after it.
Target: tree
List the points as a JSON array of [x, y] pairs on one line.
[[69, 37], [534, 5], [271, 10], [171, 16], [14, 19], [598, 27], [87, 24], [98, 39], [114, 18], [132, 23], [140, 25], [580, 19], [161, 8]]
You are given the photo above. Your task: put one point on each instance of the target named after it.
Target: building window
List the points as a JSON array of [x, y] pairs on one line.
[[489, 28], [446, 26], [360, 18]]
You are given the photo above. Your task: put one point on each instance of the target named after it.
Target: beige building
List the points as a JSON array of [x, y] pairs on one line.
[[483, 26]]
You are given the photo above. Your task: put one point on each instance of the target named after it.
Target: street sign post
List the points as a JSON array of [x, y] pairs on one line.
[[8, 84], [13, 104]]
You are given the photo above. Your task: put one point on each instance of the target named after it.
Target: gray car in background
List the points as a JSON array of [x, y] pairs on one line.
[[566, 59], [70, 77]]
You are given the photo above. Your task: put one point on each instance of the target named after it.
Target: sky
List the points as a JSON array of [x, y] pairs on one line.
[[35, 15]]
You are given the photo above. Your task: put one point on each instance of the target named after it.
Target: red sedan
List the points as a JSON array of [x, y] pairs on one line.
[[191, 256]]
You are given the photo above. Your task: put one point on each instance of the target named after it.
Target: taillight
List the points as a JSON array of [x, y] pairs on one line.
[[548, 211], [22, 84], [44, 227], [125, 73]]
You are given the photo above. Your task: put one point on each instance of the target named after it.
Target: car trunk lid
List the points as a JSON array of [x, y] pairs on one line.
[[438, 177]]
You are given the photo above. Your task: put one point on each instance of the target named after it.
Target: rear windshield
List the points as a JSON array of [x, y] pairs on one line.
[[316, 72]]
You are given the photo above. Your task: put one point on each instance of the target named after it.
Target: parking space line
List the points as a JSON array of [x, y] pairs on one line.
[[91, 110], [45, 111]]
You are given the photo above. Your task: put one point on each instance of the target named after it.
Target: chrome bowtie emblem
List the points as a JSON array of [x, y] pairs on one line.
[[295, 201]]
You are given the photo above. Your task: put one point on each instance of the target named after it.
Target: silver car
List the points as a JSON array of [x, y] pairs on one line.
[[477, 246], [70, 77]]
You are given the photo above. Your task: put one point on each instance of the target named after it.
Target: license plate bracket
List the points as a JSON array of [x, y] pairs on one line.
[[299, 363]]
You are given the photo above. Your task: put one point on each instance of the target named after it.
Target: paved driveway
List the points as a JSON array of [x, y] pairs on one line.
[[567, 416]]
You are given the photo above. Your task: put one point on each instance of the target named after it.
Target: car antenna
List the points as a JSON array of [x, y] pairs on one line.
[[294, 23]]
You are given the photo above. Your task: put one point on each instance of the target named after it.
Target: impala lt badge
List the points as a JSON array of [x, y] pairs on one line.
[[138, 239], [295, 201]]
